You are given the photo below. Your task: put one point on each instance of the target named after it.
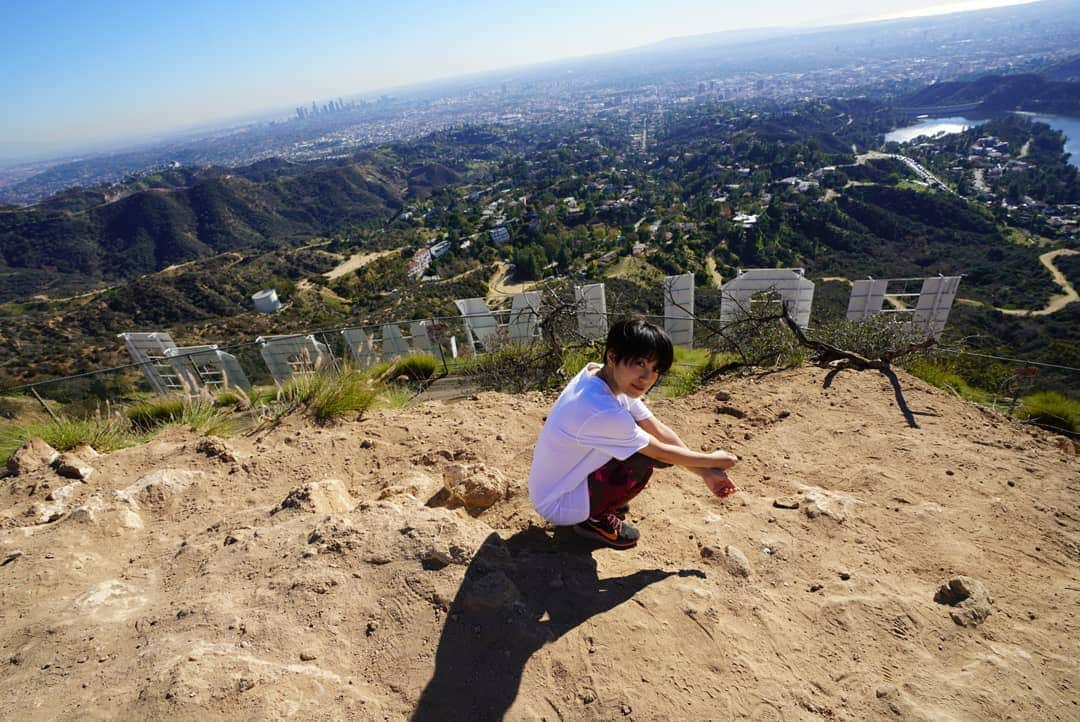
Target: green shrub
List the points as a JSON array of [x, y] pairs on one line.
[[151, 413], [1052, 410], [105, 433], [871, 337], [574, 358], [201, 415], [325, 396], [690, 369], [938, 372], [513, 368], [418, 367], [228, 398]]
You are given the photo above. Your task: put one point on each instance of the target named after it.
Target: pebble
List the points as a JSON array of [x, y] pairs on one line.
[[816, 587], [845, 576], [307, 657]]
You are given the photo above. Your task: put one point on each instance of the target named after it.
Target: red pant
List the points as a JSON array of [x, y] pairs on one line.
[[617, 482]]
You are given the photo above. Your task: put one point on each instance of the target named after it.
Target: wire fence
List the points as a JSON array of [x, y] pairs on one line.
[[447, 338]]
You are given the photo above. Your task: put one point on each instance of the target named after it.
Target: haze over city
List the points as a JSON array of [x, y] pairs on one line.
[[84, 77]]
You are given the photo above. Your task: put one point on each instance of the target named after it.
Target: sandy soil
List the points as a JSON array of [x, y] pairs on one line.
[[167, 586], [499, 285], [357, 261]]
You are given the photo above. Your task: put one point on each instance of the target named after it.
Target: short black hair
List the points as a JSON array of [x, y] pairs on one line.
[[635, 338]]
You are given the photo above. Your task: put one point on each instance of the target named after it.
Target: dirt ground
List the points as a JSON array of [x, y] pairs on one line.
[[187, 580]]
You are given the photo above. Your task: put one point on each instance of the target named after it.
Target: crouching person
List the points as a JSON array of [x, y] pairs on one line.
[[600, 442]]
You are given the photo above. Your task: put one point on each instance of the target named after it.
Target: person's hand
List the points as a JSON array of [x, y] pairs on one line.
[[723, 459], [718, 482]]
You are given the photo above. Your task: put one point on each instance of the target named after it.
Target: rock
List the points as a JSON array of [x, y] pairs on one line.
[[969, 598], [723, 395], [307, 657], [71, 466], [328, 496], [786, 502], [783, 414], [11, 556], [96, 510], [1064, 443], [216, 448], [417, 486], [475, 486], [492, 592], [736, 562], [158, 488], [85, 452], [34, 454], [434, 558], [731, 411], [822, 502]]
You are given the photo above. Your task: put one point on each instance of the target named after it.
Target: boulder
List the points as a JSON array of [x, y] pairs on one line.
[[969, 598], [736, 562], [85, 452], [71, 466], [328, 496], [216, 448], [34, 454], [822, 502], [158, 487], [475, 486]]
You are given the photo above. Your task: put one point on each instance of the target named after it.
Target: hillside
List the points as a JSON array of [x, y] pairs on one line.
[[1008, 92], [77, 239], [219, 587]]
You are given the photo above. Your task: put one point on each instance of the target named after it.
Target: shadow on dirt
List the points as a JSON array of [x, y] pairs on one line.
[[517, 595]]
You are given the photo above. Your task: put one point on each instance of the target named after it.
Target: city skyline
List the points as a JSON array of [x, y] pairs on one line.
[[84, 78]]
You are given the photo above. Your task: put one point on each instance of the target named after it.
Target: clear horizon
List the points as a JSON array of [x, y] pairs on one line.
[[80, 78]]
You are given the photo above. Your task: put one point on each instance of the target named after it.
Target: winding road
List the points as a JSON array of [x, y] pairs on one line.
[[1057, 302]]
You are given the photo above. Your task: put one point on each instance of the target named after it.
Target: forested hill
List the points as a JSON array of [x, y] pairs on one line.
[[81, 237], [1011, 92]]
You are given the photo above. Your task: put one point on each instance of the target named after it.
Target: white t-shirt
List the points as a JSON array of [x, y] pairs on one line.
[[587, 427]]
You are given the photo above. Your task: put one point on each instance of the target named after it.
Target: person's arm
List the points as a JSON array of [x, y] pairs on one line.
[[713, 474], [663, 434]]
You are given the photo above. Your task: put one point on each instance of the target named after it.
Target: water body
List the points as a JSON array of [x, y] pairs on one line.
[[957, 124], [931, 127], [1067, 125]]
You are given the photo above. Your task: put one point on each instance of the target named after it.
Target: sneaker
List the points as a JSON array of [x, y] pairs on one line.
[[622, 511], [609, 530]]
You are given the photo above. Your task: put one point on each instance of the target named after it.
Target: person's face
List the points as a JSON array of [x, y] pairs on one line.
[[633, 377]]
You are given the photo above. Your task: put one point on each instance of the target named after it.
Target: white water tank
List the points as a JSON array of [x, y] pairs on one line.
[[266, 301]]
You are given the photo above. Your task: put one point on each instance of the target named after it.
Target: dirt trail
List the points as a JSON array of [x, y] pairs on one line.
[[499, 286], [356, 261], [1057, 302], [710, 266], [188, 581]]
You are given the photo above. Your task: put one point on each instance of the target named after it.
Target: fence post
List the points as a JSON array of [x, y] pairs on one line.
[[43, 404]]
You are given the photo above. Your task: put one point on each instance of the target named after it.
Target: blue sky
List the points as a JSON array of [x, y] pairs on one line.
[[80, 73]]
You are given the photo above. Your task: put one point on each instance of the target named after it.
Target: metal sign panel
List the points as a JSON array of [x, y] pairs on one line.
[[592, 310], [206, 367], [930, 309], [393, 343], [420, 340], [789, 285], [286, 356], [480, 324], [679, 309], [524, 315], [360, 347], [148, 351], [866, 298], [935, 302]]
